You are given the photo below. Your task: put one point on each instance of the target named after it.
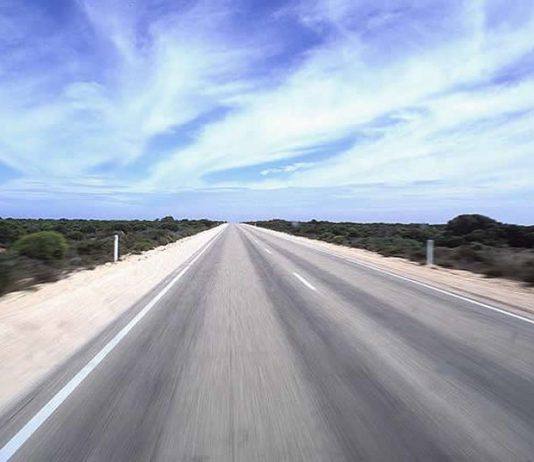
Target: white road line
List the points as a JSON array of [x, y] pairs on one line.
[[436, 289], [413, 281], [258, 243], [306, 283], [451, 294], [15, 443]]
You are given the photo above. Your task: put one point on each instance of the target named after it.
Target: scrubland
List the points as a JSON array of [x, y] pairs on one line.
[[34, 251], [468, 242]]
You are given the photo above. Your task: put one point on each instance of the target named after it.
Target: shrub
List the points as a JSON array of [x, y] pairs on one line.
[[142, 246], [93, 246], [528, 272], [75, 236], [339, 240], [465, 224], [494, 272], [9, 232], [47, 246], [466, 253], [5, 273]]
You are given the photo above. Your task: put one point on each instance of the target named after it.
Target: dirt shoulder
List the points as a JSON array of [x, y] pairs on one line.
[[40, 329], [504, 293]]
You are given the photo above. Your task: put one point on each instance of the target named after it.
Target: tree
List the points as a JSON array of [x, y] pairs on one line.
[[466, 224], [47, 246]]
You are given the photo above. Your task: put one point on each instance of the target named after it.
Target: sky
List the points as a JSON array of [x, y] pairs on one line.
[[348, 110]]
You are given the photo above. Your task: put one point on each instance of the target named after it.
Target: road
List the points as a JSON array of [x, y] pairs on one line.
[[264, 349]]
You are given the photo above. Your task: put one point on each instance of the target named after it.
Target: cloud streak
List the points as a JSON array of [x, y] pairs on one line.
[[150, 98]]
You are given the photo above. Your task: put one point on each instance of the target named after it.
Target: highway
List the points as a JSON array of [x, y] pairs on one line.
[[264, 349]]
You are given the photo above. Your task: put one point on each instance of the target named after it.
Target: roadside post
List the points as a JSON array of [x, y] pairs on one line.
[[116, 248], [429, 252]]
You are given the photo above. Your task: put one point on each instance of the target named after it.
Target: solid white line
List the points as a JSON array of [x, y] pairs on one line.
[[451, 294], [306, 283], [436, 289], [413, 281], [267, 250], [15, 443]]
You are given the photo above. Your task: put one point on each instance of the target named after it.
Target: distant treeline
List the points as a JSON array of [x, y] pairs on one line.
[[470, 242], [40, 250]]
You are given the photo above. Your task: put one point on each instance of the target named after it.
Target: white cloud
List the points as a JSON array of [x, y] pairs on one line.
[[338, 90], [176, 74], [286, 168], [429, 67]]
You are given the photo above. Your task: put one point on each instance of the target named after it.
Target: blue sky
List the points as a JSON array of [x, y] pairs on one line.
[[245, 109]]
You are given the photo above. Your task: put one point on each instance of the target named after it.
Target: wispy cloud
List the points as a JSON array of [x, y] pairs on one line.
[[286, 168], [152, 98]]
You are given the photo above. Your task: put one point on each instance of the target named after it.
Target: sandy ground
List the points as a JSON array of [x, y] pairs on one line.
[[40, 329], [505, 293]]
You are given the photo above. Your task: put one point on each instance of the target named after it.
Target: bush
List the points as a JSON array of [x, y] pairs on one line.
[[339, 240], [75, 236], [5, 273], [9, 232], [47, 246], [466, 253], [528, 272], [142, 246], [465, 224], [94, 246]]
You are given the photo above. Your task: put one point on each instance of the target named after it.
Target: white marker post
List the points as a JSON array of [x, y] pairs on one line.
[[429, 252], [116, 249]]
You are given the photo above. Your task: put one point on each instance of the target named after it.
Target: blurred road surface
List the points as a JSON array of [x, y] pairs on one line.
[[269, 350]]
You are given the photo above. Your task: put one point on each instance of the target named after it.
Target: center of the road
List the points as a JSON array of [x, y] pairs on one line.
[[306, 283]]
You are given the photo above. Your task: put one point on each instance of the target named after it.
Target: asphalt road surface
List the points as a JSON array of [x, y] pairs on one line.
[[263, 349]]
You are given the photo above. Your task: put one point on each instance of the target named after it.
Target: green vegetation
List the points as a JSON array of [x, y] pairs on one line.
[[34, 251], [469, 242], [47, 246]]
